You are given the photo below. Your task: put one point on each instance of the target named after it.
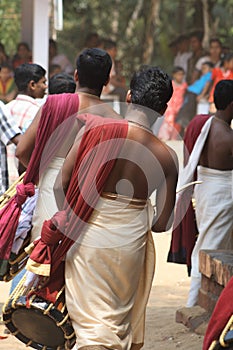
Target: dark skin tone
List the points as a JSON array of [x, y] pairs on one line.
[[146, 163], [218, 150], [88, 100]]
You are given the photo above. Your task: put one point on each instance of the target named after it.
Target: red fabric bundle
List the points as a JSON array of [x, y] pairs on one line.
[[57, 109]]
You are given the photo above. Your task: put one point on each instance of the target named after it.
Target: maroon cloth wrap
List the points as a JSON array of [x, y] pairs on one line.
[[185, 231], [222, 312], [98, 150], [56, 110], [9, 218]]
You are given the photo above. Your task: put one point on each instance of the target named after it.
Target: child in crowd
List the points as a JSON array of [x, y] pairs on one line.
[[224, 72], [8, 88], [195, 93], [169, 129]]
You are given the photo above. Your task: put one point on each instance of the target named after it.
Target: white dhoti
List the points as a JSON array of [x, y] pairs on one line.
[[214, 215], [108, 275], [46, 205]]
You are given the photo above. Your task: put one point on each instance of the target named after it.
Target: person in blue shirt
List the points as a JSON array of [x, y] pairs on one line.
[[194, 93]]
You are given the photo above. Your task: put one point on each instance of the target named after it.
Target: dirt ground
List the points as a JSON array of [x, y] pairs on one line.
[[169, 293]]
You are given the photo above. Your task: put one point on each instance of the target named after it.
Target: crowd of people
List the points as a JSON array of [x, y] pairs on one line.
[[95, 171], [201, 70]]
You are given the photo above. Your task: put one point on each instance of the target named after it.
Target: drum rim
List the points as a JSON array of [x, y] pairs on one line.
[[64, 324]]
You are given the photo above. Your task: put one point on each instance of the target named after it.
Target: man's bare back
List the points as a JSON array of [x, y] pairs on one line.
[[218, 150]]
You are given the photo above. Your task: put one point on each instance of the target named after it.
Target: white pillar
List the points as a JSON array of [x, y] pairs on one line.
[[40, 30]]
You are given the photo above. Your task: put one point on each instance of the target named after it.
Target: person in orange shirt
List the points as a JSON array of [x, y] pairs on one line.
[[224, 72]]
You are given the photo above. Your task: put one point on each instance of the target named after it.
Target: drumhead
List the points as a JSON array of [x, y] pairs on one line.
[[37, 327], [42, 326]]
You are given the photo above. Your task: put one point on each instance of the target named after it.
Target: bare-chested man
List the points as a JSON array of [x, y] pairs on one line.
[[214, 201], [109, 269], [92, 73]]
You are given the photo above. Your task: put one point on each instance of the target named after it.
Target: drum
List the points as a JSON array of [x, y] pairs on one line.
[[36, 322]]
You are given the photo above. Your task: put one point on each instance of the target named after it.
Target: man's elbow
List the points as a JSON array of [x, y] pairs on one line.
[[162, 225]]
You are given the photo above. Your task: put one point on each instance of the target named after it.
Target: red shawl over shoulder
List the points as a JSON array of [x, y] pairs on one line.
[[56, 110], [99, 148], [184, 233]]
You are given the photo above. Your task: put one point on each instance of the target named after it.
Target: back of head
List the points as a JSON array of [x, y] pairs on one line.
[[152, 88], [93, 68], [60, 83], [27, 72], [223, 94]]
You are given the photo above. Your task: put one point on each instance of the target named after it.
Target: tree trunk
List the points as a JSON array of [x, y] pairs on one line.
[[151, 19], [181, 11], [198, 15], [206, 23], [133, 19]]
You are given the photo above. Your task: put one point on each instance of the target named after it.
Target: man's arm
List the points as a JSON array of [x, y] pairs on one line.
[[27, 141], [166, 196]]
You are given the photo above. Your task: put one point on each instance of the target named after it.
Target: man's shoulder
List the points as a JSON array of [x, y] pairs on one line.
[[165, 154]]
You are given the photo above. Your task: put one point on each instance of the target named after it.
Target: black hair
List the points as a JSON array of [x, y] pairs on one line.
[[209, 63], [6, 65], [60, 83], [215, 40], [199, 34], [177, 69], [27, 72], [226, 58], [93, 67], [52, 43], [223, 94], [151, 87], [23, 43]]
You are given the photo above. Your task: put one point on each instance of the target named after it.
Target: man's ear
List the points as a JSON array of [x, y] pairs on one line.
[[128, 98], [31, 85], [76, 76], [107, 81]]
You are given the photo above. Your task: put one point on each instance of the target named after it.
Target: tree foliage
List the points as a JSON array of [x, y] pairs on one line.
[[142, 29], [10, 15]]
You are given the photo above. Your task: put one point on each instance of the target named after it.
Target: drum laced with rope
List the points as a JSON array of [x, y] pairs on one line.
[[16, 262], [37, 322]]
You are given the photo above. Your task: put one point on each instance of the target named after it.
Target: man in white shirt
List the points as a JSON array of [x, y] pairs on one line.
[[31, 84]]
